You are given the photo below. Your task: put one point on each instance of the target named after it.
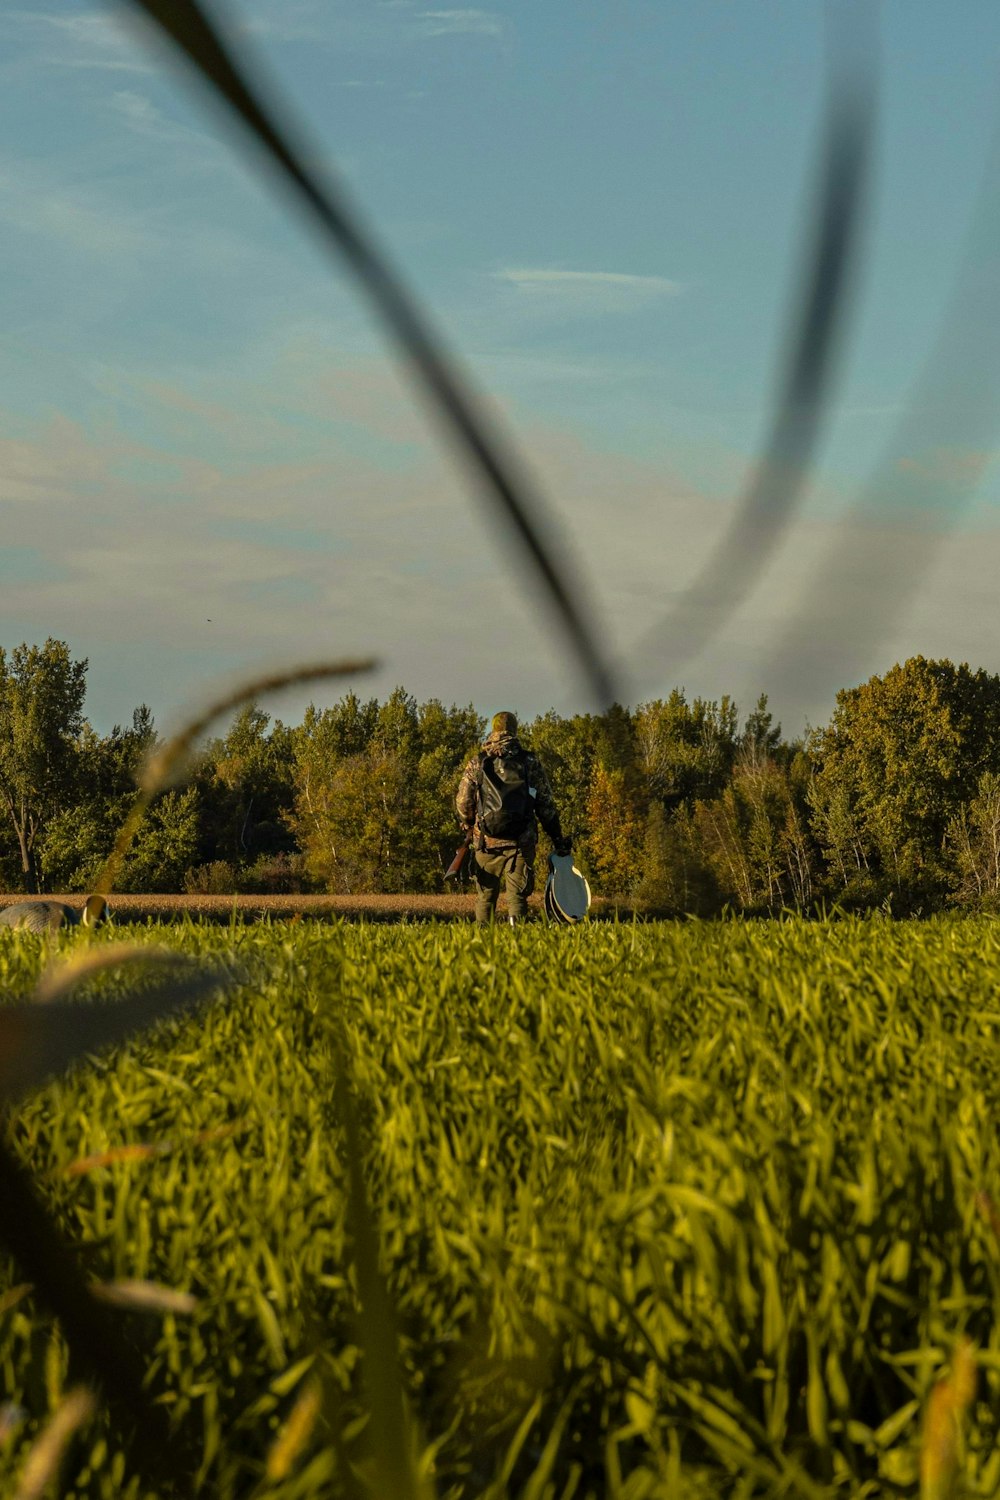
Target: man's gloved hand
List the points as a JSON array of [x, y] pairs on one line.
[[562, 846]]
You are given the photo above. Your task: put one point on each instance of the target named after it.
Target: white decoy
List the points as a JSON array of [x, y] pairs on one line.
[[49, 916]]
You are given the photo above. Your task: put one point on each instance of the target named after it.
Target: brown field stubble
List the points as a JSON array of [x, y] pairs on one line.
[[449, 907]]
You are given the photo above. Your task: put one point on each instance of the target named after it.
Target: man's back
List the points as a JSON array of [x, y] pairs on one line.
[[502, 796]]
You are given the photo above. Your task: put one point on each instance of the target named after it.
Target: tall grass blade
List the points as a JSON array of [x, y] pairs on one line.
[[59, 980], [189, 28], [296, 1431], [39, 1041], [148, 1151], [767, 508], [96, 1343], [947, 1405], [42, 1464], [895, 529], [390, 1430], [145, 1296], [537, 1485]]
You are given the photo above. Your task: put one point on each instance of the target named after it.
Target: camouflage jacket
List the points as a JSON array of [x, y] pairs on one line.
[[467, 801]]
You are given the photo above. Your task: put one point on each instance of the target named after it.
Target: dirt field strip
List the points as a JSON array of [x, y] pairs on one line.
[[128, 908]]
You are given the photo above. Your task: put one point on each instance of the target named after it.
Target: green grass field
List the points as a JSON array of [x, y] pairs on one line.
[[664, 1209]]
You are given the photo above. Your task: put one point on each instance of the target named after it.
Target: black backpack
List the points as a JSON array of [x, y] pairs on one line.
[[505, 803]]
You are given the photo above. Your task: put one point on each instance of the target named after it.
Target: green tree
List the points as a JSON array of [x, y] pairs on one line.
[[754, 837], [374, 791], [41, 718], [616, 827], [685, 751], [722, 833], [676, 876], [166, 845], [448, 737], [79, 838], [397, 723], [899, 757], [973, 841], [760, 739], [569, 751], [246, 785], [348, 818]]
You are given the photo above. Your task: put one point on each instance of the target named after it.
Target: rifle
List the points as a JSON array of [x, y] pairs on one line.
[[453, 869]]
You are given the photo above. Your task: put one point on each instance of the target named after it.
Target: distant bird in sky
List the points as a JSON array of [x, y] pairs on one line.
[[49, 916]]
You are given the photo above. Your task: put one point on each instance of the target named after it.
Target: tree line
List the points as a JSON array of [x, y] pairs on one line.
[[677, 805]]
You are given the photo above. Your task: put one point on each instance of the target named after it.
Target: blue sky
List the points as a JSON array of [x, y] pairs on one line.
[[212, 463]]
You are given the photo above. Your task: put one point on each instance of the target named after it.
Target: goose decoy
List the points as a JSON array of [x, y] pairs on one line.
[[49, 916]]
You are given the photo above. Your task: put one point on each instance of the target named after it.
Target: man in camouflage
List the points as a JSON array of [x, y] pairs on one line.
[[499, 861]]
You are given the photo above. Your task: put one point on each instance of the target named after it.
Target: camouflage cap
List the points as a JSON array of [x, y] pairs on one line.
[[503, 723]]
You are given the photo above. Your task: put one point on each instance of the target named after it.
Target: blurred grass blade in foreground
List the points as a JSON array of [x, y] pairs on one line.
[[940, 1451], [42, 1464], [39, 1041], [897, 527], [96, 1344], [296, 1431], [768, 507], [36, 1042], [190, 30], [149, 1150], [145, 1296], [390, 1432], [59, 980]]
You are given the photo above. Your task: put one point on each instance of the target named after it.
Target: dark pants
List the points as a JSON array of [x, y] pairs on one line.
[[512, 868]]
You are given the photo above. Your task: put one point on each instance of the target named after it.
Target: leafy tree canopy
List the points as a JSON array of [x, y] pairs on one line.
[[899, 756], [41, 717]]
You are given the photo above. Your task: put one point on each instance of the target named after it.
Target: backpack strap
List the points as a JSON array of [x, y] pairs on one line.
[[481, 757]]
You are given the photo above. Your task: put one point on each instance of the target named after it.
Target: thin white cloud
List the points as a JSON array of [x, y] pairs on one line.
[[93, 41], [283, 24], [552, 280], [561, 293], [459, 23], [86, 222], [97, 64], [142, 117]]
